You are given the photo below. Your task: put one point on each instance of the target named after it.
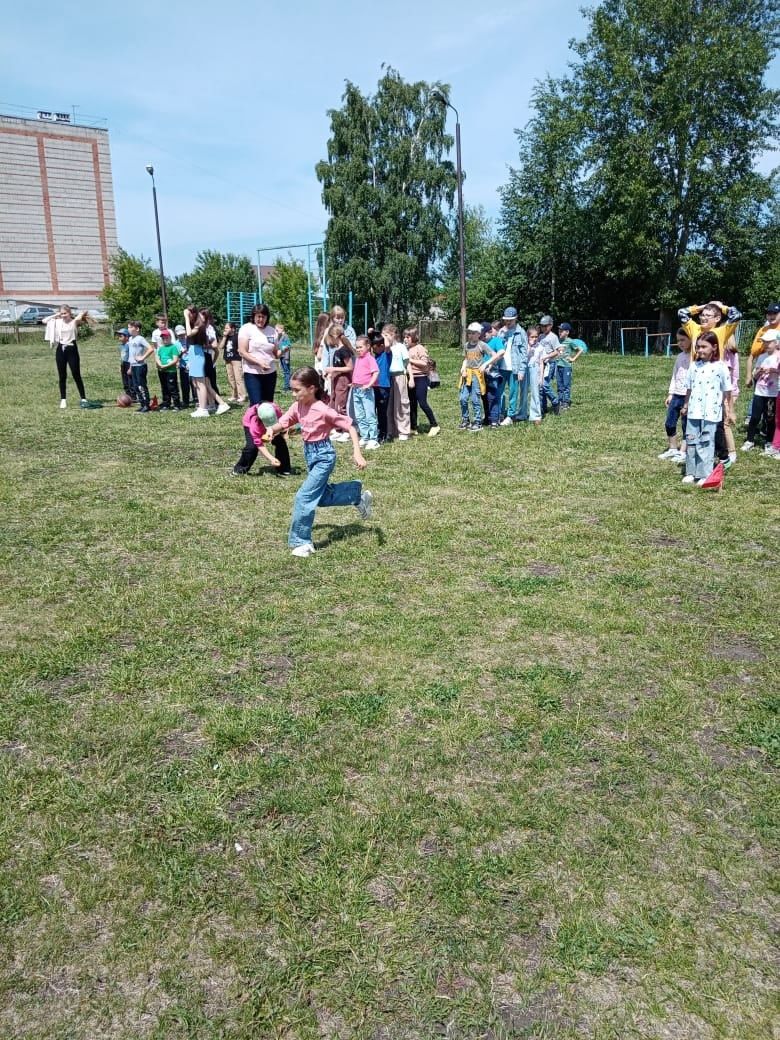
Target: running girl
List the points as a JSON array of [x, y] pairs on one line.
[[317, 421]]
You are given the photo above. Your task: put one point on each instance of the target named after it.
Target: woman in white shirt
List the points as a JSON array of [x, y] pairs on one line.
[[62, 333], [257, 347]]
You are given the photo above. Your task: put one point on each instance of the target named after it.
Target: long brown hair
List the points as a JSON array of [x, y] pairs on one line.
[[323, 321], [308, 376]]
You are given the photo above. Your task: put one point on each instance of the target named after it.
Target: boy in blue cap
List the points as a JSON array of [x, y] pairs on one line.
[[124, 363]]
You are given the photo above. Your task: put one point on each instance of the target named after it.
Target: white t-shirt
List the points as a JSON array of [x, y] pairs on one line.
[[708, 381], [157, 337], [64, 332], [260, 344]]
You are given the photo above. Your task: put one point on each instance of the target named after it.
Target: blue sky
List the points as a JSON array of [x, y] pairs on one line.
[[235, 118]]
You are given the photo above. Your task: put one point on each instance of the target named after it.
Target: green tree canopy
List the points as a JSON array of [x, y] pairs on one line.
[[637, 171], [134, 292], [214, 275], [286, 296], [387, 187]]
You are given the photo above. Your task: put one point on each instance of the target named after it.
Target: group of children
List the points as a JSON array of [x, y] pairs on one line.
[[512, 375], [703, 392], [186, 360]]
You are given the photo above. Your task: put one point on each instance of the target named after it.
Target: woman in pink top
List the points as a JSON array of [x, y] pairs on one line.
[[317, 421]]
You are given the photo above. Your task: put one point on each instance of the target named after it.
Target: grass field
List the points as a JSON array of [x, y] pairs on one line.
[[497, 763]]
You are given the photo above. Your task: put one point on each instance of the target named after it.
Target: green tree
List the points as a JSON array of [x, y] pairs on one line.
[[488, 289], [655, 133], [286, 296], [214, 275], [387, 187], [134, 292]]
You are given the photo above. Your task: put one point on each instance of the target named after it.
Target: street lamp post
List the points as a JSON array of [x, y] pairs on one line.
[[150, 171], [437, 95]]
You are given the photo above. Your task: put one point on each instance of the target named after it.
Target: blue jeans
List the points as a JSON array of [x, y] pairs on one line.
[[260, 388], [471, 393], [286, 370], [495, 395], [563, 379], [547, 394], [673, 414], [700, 442], [315, 491], [517, 407], [365, 412]]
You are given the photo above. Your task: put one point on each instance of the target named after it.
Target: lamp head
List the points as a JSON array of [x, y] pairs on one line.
[[150, 170], [437, 95]]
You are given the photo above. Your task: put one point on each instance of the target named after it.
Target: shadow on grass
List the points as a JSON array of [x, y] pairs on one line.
[[338, 532]]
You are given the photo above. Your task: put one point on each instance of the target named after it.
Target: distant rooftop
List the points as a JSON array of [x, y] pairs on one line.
[[43, 115]]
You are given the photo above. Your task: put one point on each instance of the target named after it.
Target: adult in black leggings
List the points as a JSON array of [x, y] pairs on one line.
[[420, 370], [66, 354]]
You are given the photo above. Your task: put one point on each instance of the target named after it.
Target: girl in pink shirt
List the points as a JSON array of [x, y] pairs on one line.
[[317, 421]]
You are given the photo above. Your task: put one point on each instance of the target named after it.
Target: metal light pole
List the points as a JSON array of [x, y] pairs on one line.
[[150, 171], [437, 95]]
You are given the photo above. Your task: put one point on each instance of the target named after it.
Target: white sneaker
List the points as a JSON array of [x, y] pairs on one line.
[[700, 482], [362, 442], [434, 431], [364, 506], [63, 403], [200, 413], [669, 453], [371, 445], [747, 446], [506, 422], [769, 450], [307, 549], [403, 436], [223, 408], [678, 458], [689, 479], [733, 456]]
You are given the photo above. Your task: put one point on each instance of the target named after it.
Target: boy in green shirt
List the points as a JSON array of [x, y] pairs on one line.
[[167, 358]]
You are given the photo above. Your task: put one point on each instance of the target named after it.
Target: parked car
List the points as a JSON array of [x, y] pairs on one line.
[[5, 316], [35, 315]]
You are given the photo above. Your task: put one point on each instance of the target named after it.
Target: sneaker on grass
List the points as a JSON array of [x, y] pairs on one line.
[[224, 407], [747, 446], [365, 505], [307, 549], [689, 479], [669, 453]]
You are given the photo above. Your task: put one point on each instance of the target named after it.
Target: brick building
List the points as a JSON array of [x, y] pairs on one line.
[[57, 219]]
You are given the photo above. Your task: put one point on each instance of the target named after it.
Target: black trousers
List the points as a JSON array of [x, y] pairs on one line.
[[210, 373], [382, 400], [127, 382], [418, 395], [762, 414], [68, 357], [185, 386], [138, 374], [170, 387], [249, 454]]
